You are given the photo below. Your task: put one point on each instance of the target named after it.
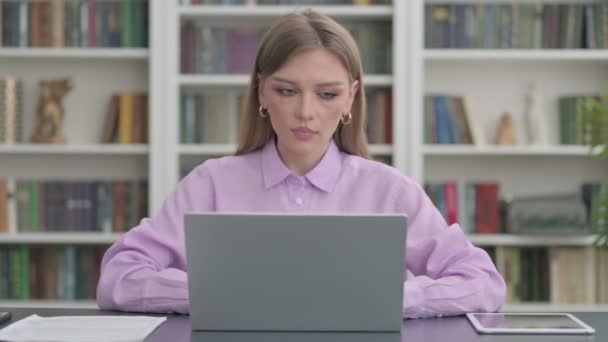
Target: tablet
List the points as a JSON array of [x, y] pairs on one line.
[[528, 323]]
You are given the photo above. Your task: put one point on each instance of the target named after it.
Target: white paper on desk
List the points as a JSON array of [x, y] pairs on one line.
[[81, 328]]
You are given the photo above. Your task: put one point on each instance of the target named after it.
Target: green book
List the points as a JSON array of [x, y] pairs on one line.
[[127, 24], [33, 196], [24, 259]]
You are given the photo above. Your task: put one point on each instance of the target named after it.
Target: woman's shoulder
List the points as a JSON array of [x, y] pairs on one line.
[[229, 164], [373, 170]]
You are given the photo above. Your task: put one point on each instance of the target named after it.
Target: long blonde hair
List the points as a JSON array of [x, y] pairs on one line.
[[292, 34]]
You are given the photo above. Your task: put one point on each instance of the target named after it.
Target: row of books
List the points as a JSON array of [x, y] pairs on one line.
[[92, 206], [206, 49], [580, 121], [49, 273], [450, 120], [11, 111], [474, 206], [74, 23], [517, 26], [557, 275], [286, 2], [209, 117], [379, 127], [214, 117], [126, 120], [479, 208]]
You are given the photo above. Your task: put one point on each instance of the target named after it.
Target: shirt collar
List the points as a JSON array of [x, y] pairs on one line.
[[324, 175]]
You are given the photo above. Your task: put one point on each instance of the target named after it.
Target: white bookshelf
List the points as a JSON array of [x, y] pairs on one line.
[[511, 240], [497, 80], [513, 55], [75, 149], [59, 238], [515, 151], [97, 73], [76, 53], [226, 149], [243, 80], [177, 153], [50, 304], [228, 12]]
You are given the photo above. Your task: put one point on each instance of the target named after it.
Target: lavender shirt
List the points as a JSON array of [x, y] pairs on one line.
[[145, 269]]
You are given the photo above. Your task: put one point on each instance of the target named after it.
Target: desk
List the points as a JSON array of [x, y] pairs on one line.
[[450, 329]]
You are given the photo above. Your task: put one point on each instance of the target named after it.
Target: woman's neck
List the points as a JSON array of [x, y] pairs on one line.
[[300, 164]]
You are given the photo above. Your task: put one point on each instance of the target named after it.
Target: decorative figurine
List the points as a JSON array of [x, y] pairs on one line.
[[505, 132], [50, 112], [536, 130]]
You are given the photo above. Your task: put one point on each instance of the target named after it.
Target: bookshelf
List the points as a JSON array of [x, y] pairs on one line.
[[415, 71], [497, 80], [77, 53], [99, 69], [179, 154]]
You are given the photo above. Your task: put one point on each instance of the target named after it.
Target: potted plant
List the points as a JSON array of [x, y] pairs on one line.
[[595, 131]]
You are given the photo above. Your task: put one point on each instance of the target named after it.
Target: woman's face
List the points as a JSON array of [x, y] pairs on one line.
[[305, 100]]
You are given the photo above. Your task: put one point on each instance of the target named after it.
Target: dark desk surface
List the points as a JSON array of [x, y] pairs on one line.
[[177, 329]]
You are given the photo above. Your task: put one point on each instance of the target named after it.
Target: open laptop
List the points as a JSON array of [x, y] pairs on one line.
[[289, 272]]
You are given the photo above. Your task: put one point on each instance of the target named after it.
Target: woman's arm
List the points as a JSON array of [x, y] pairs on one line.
[[145, 270], [451, 276]]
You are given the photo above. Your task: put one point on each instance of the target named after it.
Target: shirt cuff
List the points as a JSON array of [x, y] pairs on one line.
[[414, 298]]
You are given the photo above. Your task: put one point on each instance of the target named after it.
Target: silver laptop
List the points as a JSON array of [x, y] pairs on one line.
[[286, 272]]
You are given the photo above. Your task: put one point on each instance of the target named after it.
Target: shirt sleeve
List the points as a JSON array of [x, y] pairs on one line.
[[451, 276], [145, 271]]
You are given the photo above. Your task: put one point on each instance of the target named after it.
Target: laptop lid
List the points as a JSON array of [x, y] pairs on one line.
[[289, 272]]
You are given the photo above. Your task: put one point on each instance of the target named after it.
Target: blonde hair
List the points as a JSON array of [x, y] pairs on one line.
[[292, 34]]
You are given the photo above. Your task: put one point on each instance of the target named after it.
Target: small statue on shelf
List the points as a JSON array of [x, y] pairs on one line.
[[505, 132], [50, 112], [536, 130]]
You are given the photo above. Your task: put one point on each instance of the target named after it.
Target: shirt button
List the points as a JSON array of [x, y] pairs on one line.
[[299, 201]]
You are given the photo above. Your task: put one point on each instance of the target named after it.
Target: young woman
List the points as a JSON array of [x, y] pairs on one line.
[[302, 148]]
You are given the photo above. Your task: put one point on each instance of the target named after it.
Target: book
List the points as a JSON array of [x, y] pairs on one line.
[[3, 205]]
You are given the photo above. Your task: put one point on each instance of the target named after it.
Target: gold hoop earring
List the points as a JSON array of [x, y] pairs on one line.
[[261, 112], [349, 119]]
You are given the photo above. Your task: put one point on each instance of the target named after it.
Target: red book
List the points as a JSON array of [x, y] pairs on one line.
[[388, 118], [450, 189], [487, 208]]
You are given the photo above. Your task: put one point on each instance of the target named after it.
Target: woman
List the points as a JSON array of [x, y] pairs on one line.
[[302, 148]]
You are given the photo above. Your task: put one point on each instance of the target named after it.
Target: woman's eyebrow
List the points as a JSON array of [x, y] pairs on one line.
[[324, 84]]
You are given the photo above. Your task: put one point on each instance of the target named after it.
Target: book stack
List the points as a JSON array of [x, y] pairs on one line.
[[126, 119], [517, 26], [48, 272], [285, 2], [475, 206], [11, 111], [209, 117], [379, 117], [61, 206], [579, 123], [451, 120], [219, 50], [74, 23]]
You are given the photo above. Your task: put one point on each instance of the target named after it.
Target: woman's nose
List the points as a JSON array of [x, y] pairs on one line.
[[307, 108]]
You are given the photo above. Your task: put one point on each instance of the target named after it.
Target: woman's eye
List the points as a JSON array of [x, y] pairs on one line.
[[286, 91], [327, 95]]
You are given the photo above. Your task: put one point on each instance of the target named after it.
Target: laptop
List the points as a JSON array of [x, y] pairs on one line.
[[290, 272]]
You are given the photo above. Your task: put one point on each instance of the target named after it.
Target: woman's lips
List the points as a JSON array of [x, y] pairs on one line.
[[303, 133]]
